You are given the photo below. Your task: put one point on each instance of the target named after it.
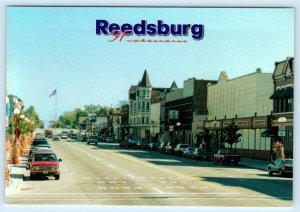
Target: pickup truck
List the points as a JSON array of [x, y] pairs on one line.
[[226, 156]]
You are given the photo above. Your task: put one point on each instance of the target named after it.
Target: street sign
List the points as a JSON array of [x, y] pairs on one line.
[[281, 128], [171, 128], [281, 133], [173, 114]]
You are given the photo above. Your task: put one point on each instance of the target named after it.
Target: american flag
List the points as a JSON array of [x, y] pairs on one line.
[[53, 93]]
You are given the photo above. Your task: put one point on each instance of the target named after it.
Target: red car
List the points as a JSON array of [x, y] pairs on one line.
[[44, 164]]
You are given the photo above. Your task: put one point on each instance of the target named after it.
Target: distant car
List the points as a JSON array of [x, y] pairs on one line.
[[55, 138], [170, 148], [142, 145], [281, 167], [44, 164], [154, 145], [110, 139], [64, 136], [226, 156], [50, 136], [92, 139], [201, 154], [73, 136], [39, 135], [162, 146], [178, 150], [127, 144], [37, 142], [187, 152]]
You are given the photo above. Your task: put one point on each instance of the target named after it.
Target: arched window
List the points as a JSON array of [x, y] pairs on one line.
[[143, 105]]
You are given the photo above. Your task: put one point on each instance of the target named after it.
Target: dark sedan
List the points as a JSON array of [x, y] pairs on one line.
[[187, 152], [142, 145], [281, 167], [154, 145], [127, 144]]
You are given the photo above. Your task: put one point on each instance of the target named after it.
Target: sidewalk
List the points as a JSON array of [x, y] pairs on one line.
[[16, 176], [254, 163]]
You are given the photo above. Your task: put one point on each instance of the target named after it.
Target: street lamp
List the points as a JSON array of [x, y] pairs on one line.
[[178, 125]]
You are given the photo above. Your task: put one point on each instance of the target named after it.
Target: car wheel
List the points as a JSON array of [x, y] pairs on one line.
[[88, 143], [57, 177], [222, 162], [270, 172]]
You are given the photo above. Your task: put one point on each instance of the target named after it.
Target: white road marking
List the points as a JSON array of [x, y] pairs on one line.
[[101, 188], [101, 182], [162, 181], [203, 187], [159, 191], [111, 166], [180, 187], [129, 175]]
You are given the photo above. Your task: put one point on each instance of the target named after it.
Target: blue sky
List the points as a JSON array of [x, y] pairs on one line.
[[56, 48]]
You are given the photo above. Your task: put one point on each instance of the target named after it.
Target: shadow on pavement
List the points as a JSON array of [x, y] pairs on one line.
[[281, 189]]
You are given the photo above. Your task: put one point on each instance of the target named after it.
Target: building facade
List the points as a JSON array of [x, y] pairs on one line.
[[180, 107], [245, 102], [283, 103], [139, 108]]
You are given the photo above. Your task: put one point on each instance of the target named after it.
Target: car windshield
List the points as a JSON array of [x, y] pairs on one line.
[[184, 145], [45, 157]]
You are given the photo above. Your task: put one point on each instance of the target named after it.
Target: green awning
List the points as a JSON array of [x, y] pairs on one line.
[[277, 93]]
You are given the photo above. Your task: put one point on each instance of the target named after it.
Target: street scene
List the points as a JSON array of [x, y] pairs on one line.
[[176, 120], [106, 174]]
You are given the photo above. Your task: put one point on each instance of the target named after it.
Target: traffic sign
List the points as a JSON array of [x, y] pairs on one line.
[[281, 128], [281, 133], [171, 128]]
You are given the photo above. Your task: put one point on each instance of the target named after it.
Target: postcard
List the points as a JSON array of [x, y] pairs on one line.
[[149, 106]]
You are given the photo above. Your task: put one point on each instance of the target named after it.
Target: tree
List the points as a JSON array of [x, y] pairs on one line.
[[231, 134], [122, 102]]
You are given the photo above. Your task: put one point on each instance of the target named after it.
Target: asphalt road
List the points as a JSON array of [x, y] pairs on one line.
[[107, 175]]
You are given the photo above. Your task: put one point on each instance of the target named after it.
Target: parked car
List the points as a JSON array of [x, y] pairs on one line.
[[154, 145], [110, 139], [142, 145], [226, 156], [48, 133], [40, 149], [162, 146], [73, 136], [187, 152], [178, 150], [92, 139], [170, 148], [281, 167], [200, 153], [127, 144], [55, 138], [39, 135], [64, 136], [44, 164], [50, 136], [37, 142]]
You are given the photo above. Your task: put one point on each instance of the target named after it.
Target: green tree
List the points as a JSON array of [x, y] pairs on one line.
[[231, 134]]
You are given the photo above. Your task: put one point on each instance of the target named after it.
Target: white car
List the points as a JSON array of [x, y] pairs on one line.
[[64, 136]]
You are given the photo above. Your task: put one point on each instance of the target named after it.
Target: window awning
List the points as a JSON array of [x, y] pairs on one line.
[[283, 93], [277, 93]]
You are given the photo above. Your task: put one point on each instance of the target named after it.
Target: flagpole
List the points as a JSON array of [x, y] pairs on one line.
[[56, 106]]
